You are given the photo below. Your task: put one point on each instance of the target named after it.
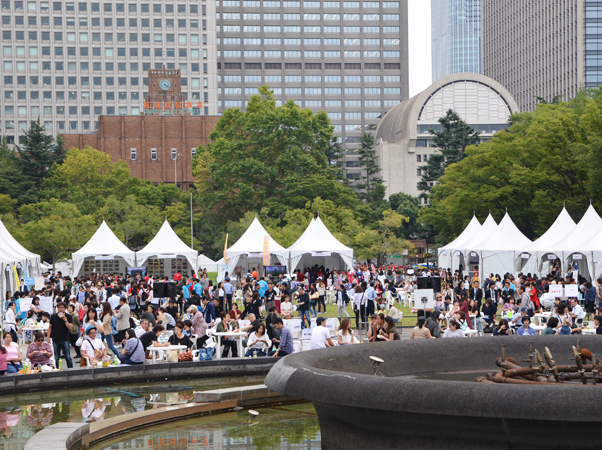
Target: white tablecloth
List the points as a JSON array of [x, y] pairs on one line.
[[238, 336], [156, 350]]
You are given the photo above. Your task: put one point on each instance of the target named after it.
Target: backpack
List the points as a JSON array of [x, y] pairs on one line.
[[206, 354], [144, 296]]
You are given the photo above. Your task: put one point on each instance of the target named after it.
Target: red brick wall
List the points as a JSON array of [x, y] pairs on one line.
[[118, 134]]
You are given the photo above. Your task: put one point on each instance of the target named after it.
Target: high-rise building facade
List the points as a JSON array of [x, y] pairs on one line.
[[69, 62], [542, 48], [456, 37], [349, 58]]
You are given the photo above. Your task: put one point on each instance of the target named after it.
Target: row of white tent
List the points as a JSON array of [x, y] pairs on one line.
[[502, 248], [316, 239]]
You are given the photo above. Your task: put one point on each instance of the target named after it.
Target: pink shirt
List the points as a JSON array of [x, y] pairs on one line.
[[12, 352]]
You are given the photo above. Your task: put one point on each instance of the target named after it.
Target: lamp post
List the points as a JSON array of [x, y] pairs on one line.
[[427, 249]]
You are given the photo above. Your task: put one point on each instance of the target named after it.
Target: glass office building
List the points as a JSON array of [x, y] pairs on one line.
[[456, 37]]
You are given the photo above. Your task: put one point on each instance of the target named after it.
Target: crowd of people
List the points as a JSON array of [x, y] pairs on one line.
[[109, 316]]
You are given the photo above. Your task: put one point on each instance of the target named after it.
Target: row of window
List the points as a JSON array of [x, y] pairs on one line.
[[7, 35], [117, 52], [104, 81], [57, 22], [74, 96], [325, 103], [309, 4], [153, 153], [306, 16], [306, 29], [311, 91], [73, 111], [83, 7], [98, 67], [307, 41], [312, 78], [307, 54]]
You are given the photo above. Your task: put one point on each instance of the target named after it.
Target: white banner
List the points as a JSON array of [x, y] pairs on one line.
[[577, 257], [551, 257], [571, 290], [320, 254], [25, 304], [525, 256], [39, 283], [46, 304], [555, 290], [167, 256]]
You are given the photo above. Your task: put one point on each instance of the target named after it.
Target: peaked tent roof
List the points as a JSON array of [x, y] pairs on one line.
[[486, 230], [505, 237], [252, 242], [318, 238], [10, 240], [103, 242], [578, 238], [562, 226], [167, 242], [469, 232], [204, 262], [302, 237]]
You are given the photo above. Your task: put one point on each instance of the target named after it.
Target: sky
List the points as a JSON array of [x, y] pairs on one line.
[[419, 36]]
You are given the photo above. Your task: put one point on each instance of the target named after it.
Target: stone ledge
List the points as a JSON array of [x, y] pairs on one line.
[[13, 384]]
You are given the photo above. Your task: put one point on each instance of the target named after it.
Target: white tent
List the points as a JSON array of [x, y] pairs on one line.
[[497, 253], [250, 244], [8, 242], [103, 244], [167, 245], [204, 262], [539, 249], [463, 254], [575, 245], [446, 252], [318, 241]]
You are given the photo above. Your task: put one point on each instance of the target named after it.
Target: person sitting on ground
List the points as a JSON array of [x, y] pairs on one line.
[[144, 327], [234, 312], [133, 350], [179, 338], [286, 307], [420, 331], [345, 333], [228, 324], [152, 337], [433, 323], [503, 328], [389, 332], [13, 354], [453, 330], [39, 352], [526, 329], [320, 335], [258, 342], [598, 323], [551, 326], [93, 348]]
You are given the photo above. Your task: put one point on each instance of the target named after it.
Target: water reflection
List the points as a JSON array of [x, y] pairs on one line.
[[23, 415], [290, 427]]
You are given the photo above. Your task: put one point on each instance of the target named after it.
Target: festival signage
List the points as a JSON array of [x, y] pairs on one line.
[[571, 290], [555, 290]]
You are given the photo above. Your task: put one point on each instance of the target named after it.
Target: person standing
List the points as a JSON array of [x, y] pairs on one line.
[[342, 300], [359, 305], [303, 307], [106, 316], [123, 319], [228, 291], [370, 295], [60, 325], [10, 320]]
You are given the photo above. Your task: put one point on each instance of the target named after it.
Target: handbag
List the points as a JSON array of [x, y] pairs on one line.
[[79, 341], [314, 296]]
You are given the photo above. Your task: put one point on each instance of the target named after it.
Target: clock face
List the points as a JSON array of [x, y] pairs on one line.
[[164, 84]]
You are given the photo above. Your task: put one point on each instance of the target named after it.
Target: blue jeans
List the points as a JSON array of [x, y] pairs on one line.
[[303, 315], [65, 349], [109, 341], [312, 306], [127, 360], [10, 368]]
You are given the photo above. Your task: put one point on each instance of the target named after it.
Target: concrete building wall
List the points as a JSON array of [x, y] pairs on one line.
[[536, 48], [349, 58]]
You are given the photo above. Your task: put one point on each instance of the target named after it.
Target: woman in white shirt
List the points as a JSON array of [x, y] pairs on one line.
[[10, 320], [453, 330], [359, 305], [286, 308], [258, 342], [345, 333]]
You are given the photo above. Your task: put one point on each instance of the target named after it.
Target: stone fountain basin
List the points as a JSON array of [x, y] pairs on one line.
[[417, 407]]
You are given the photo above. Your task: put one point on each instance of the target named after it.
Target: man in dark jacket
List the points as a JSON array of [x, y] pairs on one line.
[[303, 306]]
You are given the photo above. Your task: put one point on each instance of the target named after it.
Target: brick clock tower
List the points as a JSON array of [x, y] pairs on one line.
[[164, 86]]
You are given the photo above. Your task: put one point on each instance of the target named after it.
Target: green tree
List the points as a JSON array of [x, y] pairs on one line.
[[408, 206], [371, 180], [334, 154], [7, 204], [38, 153], [386, 241], [55, 229], [20, 188], [264, 155], [451, 143]]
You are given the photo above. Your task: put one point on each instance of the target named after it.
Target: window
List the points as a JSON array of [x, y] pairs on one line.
[[292, 78], [272, 54], [133, 154], [352, 53], [271, 29], [292, 42], [332, 17], [418, 158], [293, 91], [390, 29], [332, 54], [390, 4], [328, 103], [371, 5], [371, 16], [372, 78], [351, 5], [332, 29], [292, 16], [253, 78], [174, 154], [153, 154], [287, 29], [252, 53], [351, 17], [372, 103], [391, 17], [353, 79], [273, 79], [311, 29], [372, 29], [312, 53], [271, 16], [351, 41], [313, 78], [391, 54], [390, 41], [272, 41], [419, 172]]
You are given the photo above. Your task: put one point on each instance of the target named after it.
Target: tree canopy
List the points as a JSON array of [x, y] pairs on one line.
[[545, 158]]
